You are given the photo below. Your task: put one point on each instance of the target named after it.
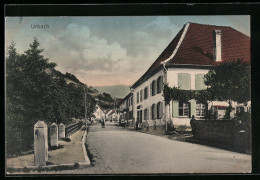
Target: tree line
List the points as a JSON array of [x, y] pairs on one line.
[[32, 94]]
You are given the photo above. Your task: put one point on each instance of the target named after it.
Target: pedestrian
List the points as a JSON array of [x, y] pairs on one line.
[[192, 121]]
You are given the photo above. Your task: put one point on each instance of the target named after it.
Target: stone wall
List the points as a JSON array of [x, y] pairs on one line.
[[232, 133]]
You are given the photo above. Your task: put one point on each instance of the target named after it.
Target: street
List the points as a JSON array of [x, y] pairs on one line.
[[125, 151], [116, 150], [120, 151]]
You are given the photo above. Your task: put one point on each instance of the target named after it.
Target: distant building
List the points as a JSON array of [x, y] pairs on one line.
[[99, 113], [189, 56], [125, 110]]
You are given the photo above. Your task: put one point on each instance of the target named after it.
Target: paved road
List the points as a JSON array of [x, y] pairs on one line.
[[116, 150], [125, 151]]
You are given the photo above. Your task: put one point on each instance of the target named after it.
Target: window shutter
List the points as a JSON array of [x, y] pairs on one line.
[[192, 108], [154, 111], [162, 83], [184, 81], [175, 108], [158, 110], [147, 113], [199, 82], [151, 89], [155, 87], [151, 113], [161, 110], [158, 84]]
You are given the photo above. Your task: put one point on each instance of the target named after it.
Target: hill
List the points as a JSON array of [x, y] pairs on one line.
[[119, 91], [103, 99]]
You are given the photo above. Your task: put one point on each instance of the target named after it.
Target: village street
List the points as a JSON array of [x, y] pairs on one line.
[[119, 151]]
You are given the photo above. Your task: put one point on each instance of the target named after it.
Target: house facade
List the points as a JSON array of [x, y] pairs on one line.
[[99, 113], [125, 110], [195, 50]]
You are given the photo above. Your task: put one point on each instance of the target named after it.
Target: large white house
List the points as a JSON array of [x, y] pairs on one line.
[[189, 56]]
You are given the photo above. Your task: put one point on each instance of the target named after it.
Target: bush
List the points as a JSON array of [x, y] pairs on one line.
[[182, 128]]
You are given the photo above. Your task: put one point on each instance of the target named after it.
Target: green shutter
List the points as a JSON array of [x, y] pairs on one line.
[[199, 82], [175, 108], [151, 89], [155, 111], [193, 108], [162, 83], [151, 112], [184, 81], [155, 87]]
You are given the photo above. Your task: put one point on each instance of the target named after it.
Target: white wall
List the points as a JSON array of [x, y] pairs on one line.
[[99, 113], [147, 103], [172, 75], [172, 79]]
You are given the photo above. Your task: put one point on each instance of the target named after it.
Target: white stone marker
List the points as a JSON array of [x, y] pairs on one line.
[[40, 143], [54, 135], [61, 130]]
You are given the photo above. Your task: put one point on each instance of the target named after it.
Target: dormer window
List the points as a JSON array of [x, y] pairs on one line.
[[217, 45]]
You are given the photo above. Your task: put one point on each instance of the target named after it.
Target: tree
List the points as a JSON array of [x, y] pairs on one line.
[[26, 88], [230, 81], [32, 95]]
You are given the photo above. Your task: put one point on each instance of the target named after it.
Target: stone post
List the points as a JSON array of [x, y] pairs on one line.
[[54, 135], [61, 130], [40, 143]]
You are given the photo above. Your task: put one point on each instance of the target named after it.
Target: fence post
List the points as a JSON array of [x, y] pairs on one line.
[[61, 130], [40, 143], [54, 135]]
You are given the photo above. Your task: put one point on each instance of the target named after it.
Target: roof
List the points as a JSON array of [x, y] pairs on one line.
[[193, 45], [112, 112], [125, 98], [220, 106]]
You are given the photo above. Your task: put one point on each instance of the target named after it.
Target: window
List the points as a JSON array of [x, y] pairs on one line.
[[159, 110], [137, 99], [184, 81], [184, 109], [145, 92], [153, 87], [200, 109], [146, 114], [240, 109], [153, 111], [131, 100], [131, 115], [199, 82], [139, 116], [159, 84], [141, 95]]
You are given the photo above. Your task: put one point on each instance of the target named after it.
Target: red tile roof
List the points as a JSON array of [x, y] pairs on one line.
[[197, 47]]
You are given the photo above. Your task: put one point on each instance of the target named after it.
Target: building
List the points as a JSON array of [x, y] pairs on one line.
[[99, 113], [189, 56], [111, 116], [125, 110]]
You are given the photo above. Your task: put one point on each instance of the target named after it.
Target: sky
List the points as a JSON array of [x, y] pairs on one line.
[[106, 50]]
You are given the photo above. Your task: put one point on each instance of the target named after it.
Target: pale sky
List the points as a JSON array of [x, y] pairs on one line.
[[104, 51]]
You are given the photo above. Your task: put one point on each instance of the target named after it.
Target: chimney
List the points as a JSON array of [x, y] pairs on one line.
[[217, 44]]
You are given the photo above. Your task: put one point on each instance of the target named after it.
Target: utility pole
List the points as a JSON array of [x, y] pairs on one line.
[[85, 105]]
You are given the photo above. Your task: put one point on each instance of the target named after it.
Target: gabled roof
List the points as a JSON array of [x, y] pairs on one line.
[[194, 45], [125, 98], [112, 112]]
